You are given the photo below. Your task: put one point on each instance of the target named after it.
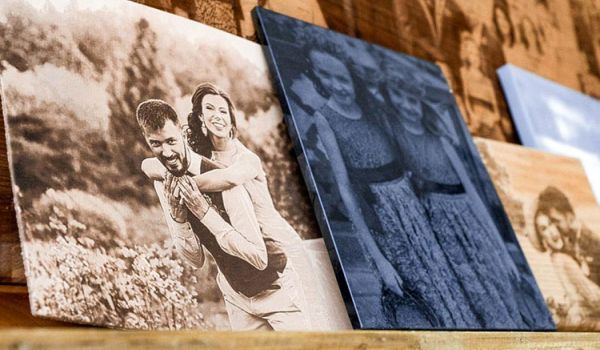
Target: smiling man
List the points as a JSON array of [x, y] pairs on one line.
[[251, 272], [557, 228]]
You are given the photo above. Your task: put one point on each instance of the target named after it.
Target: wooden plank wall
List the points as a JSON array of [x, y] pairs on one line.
[[558, 39]]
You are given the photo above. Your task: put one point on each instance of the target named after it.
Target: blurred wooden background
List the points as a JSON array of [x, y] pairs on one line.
[[558, 39]]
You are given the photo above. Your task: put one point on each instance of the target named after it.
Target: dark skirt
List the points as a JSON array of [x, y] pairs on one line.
[[407, 241]]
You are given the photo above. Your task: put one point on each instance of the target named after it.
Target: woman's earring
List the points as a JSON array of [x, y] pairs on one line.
[[203, 128], [231, 133]]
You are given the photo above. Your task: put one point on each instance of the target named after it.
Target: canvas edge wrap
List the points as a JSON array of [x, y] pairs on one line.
[[15, 196], [515, 103], [307, 176]]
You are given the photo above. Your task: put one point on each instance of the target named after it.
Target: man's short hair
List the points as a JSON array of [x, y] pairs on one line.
[[552, 197], [152, 115]]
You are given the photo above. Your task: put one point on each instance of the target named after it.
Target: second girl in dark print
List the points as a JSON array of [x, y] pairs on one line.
[[387, 215], [463, 228]]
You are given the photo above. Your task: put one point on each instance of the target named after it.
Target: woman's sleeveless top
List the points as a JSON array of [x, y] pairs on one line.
[[425, 157], [368, 154]]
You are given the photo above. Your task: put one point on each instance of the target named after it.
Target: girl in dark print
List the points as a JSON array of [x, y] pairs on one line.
[[465, 231], [385, 212]]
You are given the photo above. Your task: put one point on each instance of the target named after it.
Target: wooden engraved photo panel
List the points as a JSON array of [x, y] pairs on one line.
[[554, 213]]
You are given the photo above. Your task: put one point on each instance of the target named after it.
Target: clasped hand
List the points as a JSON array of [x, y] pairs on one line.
[[182, 193]]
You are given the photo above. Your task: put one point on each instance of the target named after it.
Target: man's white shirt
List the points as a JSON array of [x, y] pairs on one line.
[[242, 238]]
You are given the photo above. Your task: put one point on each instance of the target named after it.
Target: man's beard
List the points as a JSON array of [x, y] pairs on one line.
[[183, 161]]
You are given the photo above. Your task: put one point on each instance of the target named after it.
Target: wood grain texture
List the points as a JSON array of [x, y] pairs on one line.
[[11, 263], [19, 330], [557, 39], [105, 339], [215, 13], [520, 176], [306, 10], [234, 16]]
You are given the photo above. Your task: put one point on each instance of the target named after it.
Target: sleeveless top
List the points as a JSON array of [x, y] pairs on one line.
[[369, 157], [424, 155], [241, 275], [368, 154], [272, 224]]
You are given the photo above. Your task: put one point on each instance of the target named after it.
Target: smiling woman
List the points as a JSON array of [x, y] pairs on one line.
[[212, 134], [436, 245], [216, 111], [212, 110]]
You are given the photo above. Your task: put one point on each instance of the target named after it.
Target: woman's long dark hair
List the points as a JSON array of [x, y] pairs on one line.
[[197, 141], [550, 198]]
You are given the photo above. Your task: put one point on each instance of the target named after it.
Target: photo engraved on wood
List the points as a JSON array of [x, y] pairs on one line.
[[103, 100], [554, 213], [553, 118]]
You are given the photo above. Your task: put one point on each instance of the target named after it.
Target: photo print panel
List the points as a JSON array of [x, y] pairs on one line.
[[417, 234], [554, 118], [554, 213], [153, 177]]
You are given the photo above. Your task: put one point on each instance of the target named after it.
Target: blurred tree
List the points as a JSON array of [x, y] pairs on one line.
[[143, 79], [286, 186], [25, 46]]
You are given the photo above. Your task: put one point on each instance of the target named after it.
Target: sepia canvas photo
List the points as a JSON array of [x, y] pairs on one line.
[[153, 177], [416, 232], [554, 213]]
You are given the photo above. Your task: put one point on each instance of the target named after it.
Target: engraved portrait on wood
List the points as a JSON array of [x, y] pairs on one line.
[[553, 210]]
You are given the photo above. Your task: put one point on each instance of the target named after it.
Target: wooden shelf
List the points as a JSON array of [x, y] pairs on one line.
[[43, 338], [20, 330]]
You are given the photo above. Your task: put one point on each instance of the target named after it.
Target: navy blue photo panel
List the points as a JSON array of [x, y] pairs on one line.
[[414, 227]]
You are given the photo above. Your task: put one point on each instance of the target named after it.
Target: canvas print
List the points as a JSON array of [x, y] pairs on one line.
[[554, 118], [215, 13], [554, 213], [11, 263], [152, 174], [416, 232]]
